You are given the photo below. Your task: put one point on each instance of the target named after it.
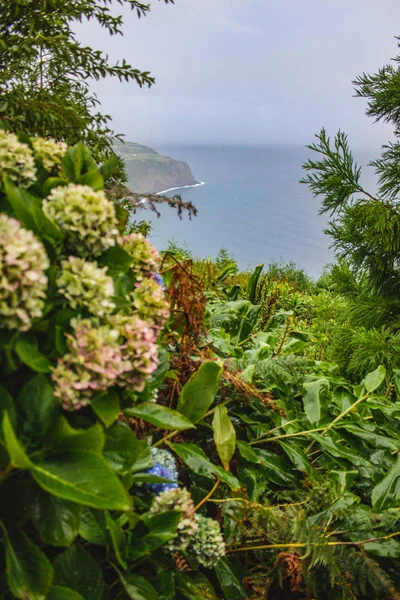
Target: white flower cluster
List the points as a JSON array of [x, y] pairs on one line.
[[179, 500], [50, 152], [84, 284], [87, 218], [16, 160], [23, 283]]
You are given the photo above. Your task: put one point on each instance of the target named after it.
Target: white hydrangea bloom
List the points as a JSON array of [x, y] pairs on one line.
[[84, 284], [23, 283], [16, 160], [87, 218], [49, 151]]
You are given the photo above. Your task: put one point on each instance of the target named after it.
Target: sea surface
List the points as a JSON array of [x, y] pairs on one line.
[[252, 204]]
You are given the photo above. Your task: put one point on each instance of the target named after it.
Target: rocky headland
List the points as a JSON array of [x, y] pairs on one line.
[[151, 172]]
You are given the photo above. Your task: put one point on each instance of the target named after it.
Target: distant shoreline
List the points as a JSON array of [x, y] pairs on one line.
[[181, 187]]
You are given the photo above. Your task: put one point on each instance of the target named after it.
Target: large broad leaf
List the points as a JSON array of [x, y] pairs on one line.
[[386, 494], [38, 405], [373, 380], [76, 569], [227, 576], [224, 435], [297, 456], [275, 468], [32, 357], [93, 527], [197, 461], [21, 204], [384, 549], [124, 452], [59, 592], [7, 405], [253, 282], [106, 407], [56, 520], [29, 572], [162, 526], [194, 586], [199, 392], [137, 587], [312, 399], [82, 477], [338, 451], [64, 437], [117, 540], [160, 416], [16, 452]]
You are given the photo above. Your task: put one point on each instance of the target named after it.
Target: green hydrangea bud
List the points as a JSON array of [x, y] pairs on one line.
[[207, 544], [16, 160], [49, 152], [86, 217], [150, 301], [146, 259], [23, 283], [179, 500], [84, 284]]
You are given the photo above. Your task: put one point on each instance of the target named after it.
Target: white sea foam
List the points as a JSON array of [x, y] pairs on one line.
[[182, 187]]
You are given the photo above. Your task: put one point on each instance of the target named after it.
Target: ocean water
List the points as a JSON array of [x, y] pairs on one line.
[[252, 204]]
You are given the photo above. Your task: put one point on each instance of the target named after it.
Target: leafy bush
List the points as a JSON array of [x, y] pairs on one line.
[[82, 308]]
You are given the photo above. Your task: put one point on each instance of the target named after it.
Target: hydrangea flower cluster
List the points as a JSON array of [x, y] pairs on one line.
[[84, 284], [93, 362], [23, 283], [16, 160], [146, 259], [138, 350], [121, 352], [87, 218], [178, 500], [207, 543], [50, 152], [150, 302]]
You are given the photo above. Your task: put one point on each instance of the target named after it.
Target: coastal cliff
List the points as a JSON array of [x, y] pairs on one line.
[[151, 172]]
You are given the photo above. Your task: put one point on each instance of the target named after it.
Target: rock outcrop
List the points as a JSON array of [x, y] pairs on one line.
[[151, 172]]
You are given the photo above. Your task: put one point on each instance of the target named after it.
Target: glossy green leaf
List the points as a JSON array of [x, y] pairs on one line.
[[29, 572], [231, 586], [30, 355], [7, 405], [384, 548], [194, 586], [38, 405], [373, 380], [92, 527], [160, 416], [56, 520], [64, 437], [386, 494], [224, 435], [76, 569], [199, 392], [117, 540], [313, 399], [253, 282], [339, 451], [82, 477], [121, 448], [297, 456], [197, 461], [20, 203], [137, 587], [106, 407], [248, 452], [162, 526], [16, 452], [109, 167], [59, 592]]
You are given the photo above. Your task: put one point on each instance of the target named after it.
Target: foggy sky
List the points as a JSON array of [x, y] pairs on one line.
[[251, 72]]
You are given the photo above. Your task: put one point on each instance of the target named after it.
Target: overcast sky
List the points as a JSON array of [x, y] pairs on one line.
[[250, 72]]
